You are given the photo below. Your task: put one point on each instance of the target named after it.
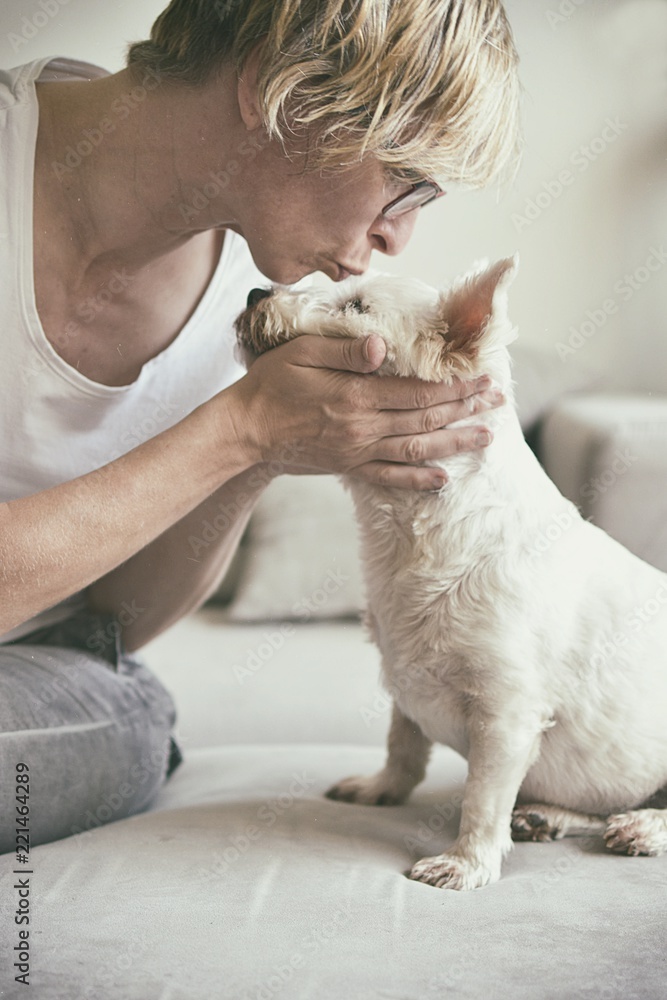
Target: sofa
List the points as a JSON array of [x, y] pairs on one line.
[[243, 882]]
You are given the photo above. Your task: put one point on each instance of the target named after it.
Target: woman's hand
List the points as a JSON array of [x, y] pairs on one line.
[[315, 399]]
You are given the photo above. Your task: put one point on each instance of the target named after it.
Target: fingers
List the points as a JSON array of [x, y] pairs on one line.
[[343, 423], [399, 422], [402, 459], [418, 448], [344, 354], [394, 393], [390, 392], [426, 479]]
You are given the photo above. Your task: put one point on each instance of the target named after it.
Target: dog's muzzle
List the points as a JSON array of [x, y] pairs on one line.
[[256, 295]]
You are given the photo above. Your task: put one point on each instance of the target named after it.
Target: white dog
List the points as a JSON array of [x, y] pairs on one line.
[[510, 628]]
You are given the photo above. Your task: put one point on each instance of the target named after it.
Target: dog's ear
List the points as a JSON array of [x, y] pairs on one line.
[[472, 312]]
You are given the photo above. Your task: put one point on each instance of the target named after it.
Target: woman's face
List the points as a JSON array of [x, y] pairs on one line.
[[295, 220], [299, 222]]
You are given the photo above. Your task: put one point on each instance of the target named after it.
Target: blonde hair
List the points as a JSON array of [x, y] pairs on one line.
[[427, 87]]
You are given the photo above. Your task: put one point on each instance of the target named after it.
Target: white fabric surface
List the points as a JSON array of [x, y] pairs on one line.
[[271, 683], [56, 424], [608, 454], [301, 554], [540, 383], [226, 891]]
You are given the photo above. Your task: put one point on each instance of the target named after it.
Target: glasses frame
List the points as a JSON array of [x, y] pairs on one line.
[[420, 194]]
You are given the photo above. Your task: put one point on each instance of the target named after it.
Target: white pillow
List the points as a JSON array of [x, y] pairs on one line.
[[542, 381], [301, 554]]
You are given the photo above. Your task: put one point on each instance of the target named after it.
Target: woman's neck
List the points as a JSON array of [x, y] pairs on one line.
[[113, 169]]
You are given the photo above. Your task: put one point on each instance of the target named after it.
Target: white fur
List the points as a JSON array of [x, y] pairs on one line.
[[510, 629]]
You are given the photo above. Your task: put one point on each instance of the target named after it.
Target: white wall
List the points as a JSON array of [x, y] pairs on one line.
[[584, 63], [94, 30], [606, 61]]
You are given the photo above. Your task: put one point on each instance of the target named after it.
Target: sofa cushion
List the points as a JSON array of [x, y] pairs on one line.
[[300, 554], [280, 682], [540, 382], [243, 882], [608, 454]]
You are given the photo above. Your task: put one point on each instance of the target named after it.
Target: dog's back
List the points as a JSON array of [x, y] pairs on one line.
[[496, 589]]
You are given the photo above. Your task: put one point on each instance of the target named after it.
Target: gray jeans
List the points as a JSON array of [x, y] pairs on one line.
[[88, 724]]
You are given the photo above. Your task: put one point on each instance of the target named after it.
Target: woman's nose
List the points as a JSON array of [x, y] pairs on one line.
[[391, 236]]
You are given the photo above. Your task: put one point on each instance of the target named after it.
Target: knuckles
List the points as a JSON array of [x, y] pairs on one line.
[[415, 450], [383, 476], [423, 397], [354, 393], [432, 421], [355, 433]]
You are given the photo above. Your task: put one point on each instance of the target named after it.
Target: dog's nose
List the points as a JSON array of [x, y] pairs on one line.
[[256, 295]]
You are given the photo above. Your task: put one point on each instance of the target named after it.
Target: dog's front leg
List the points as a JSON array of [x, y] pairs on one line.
[[407, 757], [498, 759]]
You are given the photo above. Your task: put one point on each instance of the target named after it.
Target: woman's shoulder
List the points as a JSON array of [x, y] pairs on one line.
[[17, 82]]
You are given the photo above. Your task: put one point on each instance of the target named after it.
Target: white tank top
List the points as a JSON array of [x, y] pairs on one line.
[[56, 424]]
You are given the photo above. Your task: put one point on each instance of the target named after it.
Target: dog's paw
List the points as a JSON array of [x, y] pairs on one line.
[[369, 791], [639, 832], [451, 871], [534, 823], [539, 821]]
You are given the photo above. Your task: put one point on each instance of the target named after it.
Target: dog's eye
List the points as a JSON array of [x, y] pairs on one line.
[[356, 305]]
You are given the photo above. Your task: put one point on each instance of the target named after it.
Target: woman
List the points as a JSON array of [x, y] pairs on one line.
[[247, 140]]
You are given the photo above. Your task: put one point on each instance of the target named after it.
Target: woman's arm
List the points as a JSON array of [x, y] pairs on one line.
[[312, 398], [182, 568], [59, 541]]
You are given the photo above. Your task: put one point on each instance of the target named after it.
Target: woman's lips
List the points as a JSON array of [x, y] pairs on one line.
[[345, 272]]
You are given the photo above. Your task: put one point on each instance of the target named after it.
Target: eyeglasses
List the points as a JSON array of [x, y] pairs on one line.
[[419, 195]]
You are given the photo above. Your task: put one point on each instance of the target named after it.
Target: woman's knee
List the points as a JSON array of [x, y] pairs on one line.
[[97, 741]]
